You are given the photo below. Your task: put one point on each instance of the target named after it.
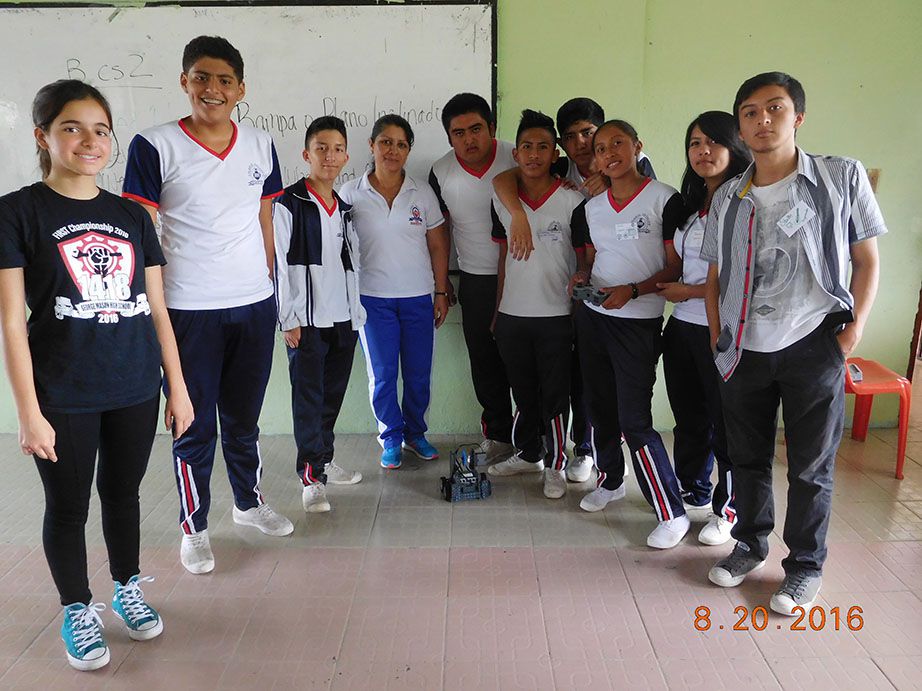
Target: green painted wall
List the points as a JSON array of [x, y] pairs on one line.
[[658, 63]]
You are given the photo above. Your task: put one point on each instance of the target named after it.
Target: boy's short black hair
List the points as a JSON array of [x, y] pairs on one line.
[[212, 47], [577, 109], [326, 122], [787, 82], [461, 104], [533, 119]]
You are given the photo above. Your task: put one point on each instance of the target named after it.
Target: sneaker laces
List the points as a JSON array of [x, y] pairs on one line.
[[737, 558], [86, 626], [131, 598], [795, 584], [197, 540]]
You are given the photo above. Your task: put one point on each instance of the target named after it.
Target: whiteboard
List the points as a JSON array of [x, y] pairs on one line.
[[300, 62]]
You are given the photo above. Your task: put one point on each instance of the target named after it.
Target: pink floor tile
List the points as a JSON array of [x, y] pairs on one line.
[[142, 672], [901, 558], [382, 675], [463, 673], [44, 675], [715, 674], [200, 628], [596, 627], [853, 568], [489, 571], [246, 675], [903, 672], [829, 673], [393, 630], [892, 624], [24, 619], [403, 572], [680, 570], [580, 571], [608, 675], [670, 623], [331, 571], [303, 628], [240, 571], [497, 628]]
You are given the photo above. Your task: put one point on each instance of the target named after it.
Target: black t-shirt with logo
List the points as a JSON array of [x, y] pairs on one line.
[[91, 334]]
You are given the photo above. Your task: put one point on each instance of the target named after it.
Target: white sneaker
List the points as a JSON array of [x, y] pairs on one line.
[[496, 451], [600, 497], [555, 483], [579, 469], [716, 532], [340, 476], [314, 498], [195, 553], [264, 518], [669, 533], [515, 465]]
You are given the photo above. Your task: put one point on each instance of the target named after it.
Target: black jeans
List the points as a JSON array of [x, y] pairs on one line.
[[808, 379], [123, 439], [477, 295]]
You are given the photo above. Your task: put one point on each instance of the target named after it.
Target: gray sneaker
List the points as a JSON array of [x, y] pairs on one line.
[[798, 589], [496, 451], [733, 569]]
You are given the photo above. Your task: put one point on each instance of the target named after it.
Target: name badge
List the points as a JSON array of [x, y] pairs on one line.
[[626, 231], [796, 218]]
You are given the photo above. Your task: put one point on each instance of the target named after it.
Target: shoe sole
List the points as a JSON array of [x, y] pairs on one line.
[[673, 544], [144, 635], [198, 570], [407, 447], [88, 665], [778, 609], [391, 467], [593, 508], [539, 468], [356, 480], [323, 507], [735, 581], [278, 532], [555, 495], [579, 478]]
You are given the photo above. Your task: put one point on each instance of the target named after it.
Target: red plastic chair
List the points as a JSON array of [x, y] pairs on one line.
[[878, 379]]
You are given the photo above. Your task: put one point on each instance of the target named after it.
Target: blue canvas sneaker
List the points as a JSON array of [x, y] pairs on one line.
[[142, 620], [82, 634]]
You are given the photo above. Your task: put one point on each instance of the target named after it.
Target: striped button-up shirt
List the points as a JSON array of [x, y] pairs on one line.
[[838, 193]]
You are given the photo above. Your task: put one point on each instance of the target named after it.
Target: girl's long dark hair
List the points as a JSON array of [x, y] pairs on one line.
[[721, 127], [51, 99]]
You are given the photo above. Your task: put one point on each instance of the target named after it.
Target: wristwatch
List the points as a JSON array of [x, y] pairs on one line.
[[634, 291]]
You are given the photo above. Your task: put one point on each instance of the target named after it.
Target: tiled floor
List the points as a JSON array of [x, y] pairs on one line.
[[397, 589]]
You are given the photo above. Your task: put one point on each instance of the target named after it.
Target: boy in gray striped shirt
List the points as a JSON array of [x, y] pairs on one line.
[[783, 316]]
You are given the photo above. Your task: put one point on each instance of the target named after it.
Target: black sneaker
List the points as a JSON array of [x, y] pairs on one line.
[[733, 569], [798, 589]]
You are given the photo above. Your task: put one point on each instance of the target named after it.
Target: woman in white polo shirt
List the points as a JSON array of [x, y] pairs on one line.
[[404, 287]]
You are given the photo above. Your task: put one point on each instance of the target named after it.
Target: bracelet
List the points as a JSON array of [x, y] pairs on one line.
[[441, 292], [634, 291]]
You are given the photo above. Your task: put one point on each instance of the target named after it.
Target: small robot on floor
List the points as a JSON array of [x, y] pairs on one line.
[[464, 482]]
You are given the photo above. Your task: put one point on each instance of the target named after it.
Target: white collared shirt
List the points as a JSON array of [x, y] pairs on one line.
[[394, 254]]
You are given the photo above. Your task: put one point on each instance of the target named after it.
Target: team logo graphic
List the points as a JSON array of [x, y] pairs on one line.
[[416, 217], [256, 174], [102, 268], [553, 233], [642, 223]]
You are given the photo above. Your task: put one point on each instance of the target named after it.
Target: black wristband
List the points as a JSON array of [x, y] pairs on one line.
[[634, 291]]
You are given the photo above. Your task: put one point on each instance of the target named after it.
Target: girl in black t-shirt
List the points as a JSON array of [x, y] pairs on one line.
[[85, 368]]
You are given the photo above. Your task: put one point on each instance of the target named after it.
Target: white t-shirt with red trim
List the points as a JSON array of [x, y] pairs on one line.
[[538, 287], [209, 209], [466, 194], [630, 241], [329, 278]]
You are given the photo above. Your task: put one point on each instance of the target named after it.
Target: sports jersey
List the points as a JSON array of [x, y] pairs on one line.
[[209, 208], [466, 195], [538, 287], [687, 242], [91, 335], [629, 241], [393, 251]]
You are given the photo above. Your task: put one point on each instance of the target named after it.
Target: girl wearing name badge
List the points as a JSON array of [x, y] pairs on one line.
[[627, 233], [85, 368], [403, 247], [714, 153]]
